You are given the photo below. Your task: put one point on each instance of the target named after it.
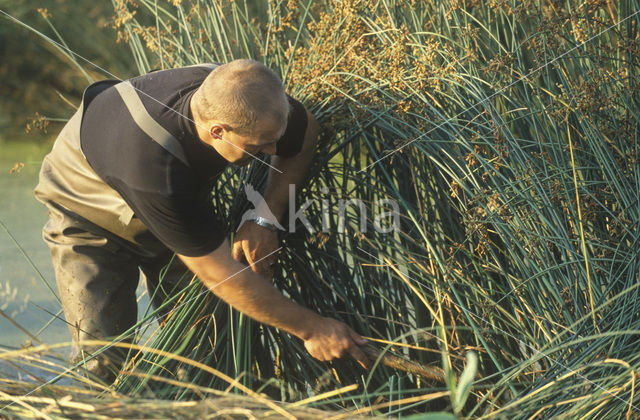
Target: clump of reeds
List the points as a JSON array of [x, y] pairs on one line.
[[506, 131]]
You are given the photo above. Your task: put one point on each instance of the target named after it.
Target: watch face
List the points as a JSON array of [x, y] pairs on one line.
[[261, 221]]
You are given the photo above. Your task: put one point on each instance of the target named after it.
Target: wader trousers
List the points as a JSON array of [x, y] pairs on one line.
[[97, 275]]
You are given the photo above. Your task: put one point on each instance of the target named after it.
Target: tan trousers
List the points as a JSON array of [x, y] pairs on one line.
[[97, 275]]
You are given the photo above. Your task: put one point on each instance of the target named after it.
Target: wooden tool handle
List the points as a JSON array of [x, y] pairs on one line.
[[400, 363]]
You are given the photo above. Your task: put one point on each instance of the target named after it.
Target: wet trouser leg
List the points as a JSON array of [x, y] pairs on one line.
[[97, 275]]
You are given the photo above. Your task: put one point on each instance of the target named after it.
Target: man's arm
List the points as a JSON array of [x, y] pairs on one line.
[[293, 169], [255, 242], [250, 293]]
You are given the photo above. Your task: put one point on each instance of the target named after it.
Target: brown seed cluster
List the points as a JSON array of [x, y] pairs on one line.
[[39, 122]]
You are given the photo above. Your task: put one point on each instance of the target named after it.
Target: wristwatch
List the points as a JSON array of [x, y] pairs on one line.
[[265, 223]]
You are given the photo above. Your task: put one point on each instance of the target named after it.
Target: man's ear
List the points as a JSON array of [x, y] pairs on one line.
[[216, 131], [212, 133]]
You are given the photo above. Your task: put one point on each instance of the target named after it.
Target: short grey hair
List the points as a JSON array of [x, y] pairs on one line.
[[240, 93]]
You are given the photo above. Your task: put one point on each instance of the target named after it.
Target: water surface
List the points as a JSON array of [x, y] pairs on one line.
[[27, 286]]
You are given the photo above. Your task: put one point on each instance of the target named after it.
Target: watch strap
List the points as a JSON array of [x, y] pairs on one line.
[[266, 223]]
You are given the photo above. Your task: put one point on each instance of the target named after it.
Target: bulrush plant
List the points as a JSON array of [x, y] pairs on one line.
[[508, 134]]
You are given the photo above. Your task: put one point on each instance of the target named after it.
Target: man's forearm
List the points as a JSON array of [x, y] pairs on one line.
[[248, 293]]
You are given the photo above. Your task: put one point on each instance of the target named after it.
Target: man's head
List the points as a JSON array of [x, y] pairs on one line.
[[244, 108]]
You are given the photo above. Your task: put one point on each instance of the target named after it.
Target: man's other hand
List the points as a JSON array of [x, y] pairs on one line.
[[254, 243], [332, 339]]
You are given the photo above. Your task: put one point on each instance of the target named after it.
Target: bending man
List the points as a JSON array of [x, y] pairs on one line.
[[127, 182]]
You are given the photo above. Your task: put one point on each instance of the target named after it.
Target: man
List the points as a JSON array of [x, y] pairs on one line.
[[126, 186]]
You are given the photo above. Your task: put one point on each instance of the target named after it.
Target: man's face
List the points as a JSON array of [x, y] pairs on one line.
[[240, 149]]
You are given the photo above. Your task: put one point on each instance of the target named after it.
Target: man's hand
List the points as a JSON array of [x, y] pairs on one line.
[[333, 339], [255, 242]]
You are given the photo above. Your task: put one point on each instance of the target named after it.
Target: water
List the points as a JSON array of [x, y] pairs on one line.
[[27, 284], [28, 293]]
